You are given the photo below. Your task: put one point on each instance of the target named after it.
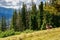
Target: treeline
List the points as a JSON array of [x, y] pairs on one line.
[[33, 19]]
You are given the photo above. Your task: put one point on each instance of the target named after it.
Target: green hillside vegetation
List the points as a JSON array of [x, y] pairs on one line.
[[50, 34], [33, 19]]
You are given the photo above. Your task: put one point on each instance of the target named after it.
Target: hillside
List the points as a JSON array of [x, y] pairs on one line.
[[51, 34]]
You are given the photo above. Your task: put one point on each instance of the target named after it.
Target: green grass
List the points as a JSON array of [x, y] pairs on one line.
[[51, 34]]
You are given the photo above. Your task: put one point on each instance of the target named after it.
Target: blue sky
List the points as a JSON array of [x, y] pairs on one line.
[[16, 3]]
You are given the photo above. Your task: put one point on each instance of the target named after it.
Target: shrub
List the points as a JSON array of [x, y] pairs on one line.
[[7, 33], [28, 31], [17, 33], [1, 34]]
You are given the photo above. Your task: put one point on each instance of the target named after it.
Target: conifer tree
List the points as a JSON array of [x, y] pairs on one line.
[[14, 21], [30, 14], [47, 19], [19, 22], [24, 15], [41, 14], [0, 24], [34, 22], [3, 24], [27, 20]]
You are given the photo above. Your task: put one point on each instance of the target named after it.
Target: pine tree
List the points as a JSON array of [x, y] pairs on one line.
[[38, 19], [47, 19], [19, 22], [53, 2], [34, 22], [41, 14], [27, 20], [0, 24], [24, 15], [30, 20], [3, 24], [14, 21]]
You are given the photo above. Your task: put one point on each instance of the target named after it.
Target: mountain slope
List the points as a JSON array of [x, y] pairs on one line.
[[51, 34], [7, 12]]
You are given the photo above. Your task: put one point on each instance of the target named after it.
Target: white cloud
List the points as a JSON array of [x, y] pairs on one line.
[[35, 1], [15, 3], [28, 1], [9, 3], [23, 0]]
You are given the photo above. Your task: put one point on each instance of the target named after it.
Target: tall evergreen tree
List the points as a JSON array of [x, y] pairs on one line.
[[41, 13], [47, 19], [53, 2], [3, 24], [19, 22], [24, 15], [34, 22], [27, 20], [0, 24], [14, 21]]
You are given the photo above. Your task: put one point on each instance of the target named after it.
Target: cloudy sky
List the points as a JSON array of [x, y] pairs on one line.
[[16, 3]]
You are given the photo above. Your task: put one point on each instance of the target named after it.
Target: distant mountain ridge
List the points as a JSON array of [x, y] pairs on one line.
[[7, 12]]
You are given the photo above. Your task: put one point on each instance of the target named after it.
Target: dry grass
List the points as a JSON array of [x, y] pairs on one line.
[[51, 34]]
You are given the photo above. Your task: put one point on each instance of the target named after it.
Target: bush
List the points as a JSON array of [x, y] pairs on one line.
[[11, 32], [1, 34], [7, 33], [17, 33], [28, 31]]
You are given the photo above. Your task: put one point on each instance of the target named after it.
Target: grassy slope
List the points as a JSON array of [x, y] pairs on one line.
[[51, 34]]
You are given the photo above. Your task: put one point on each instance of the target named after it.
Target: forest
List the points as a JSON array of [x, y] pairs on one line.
[[32, 19]]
